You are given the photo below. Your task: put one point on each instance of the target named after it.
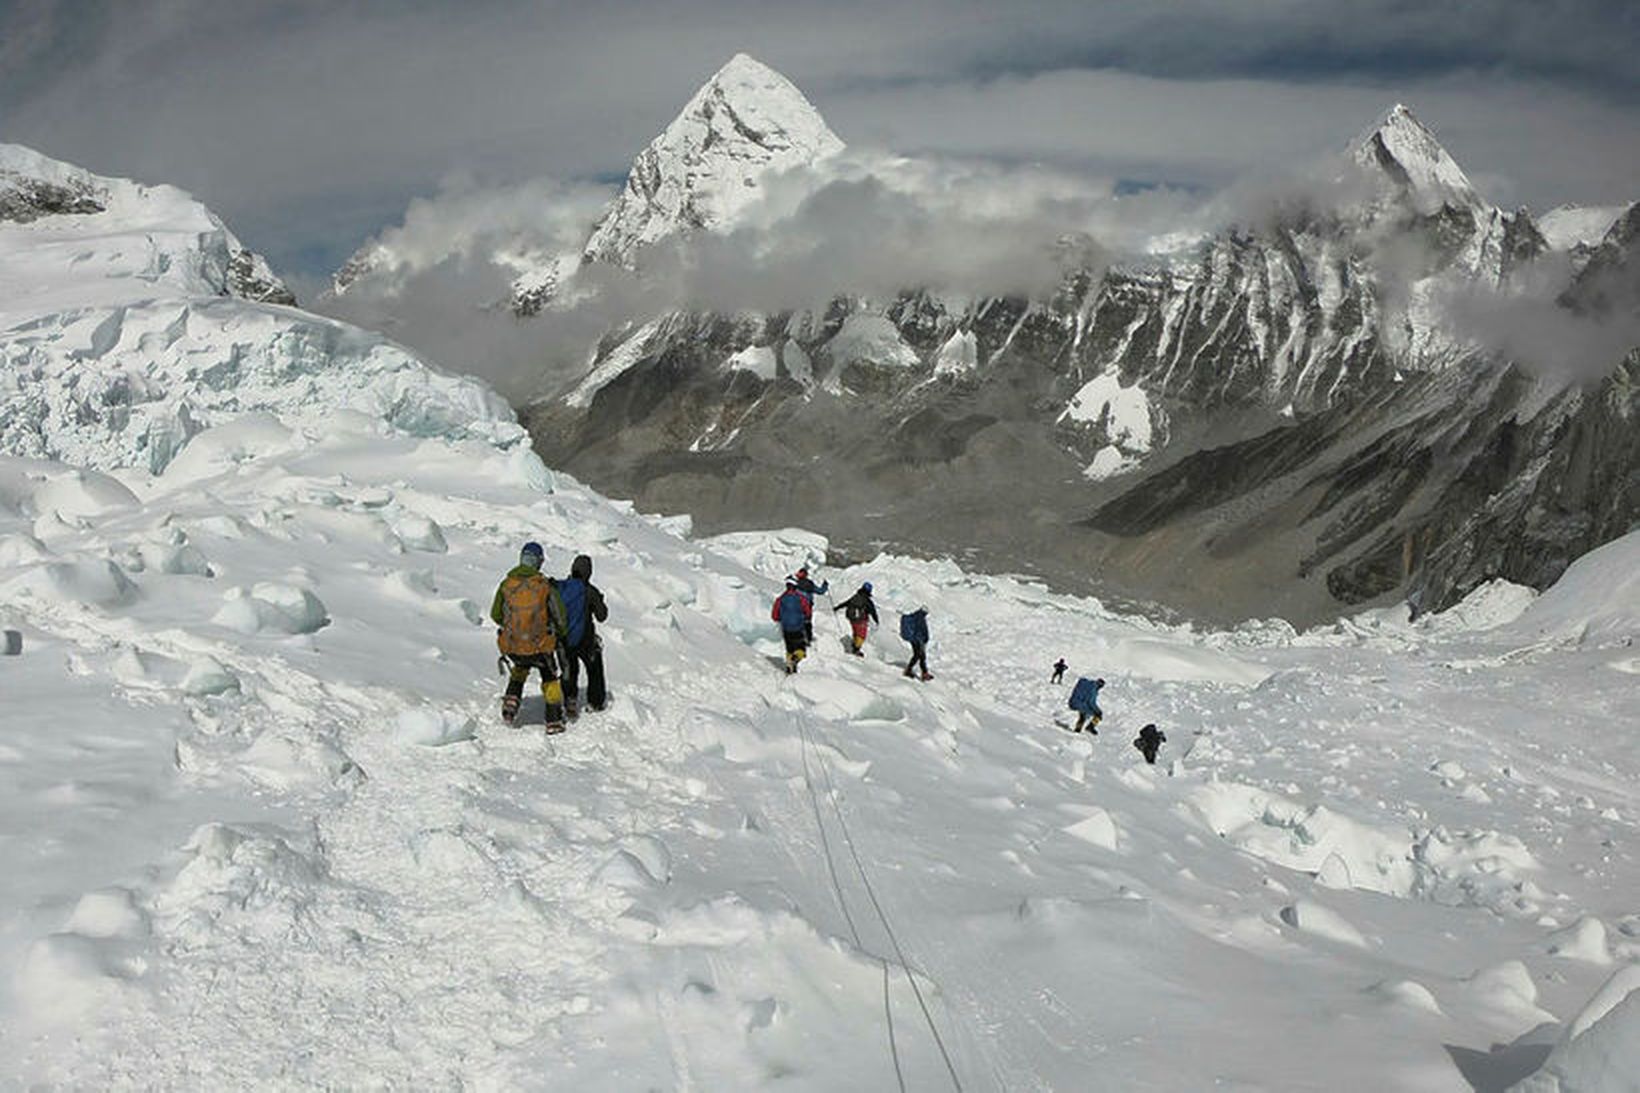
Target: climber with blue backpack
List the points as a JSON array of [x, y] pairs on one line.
[[793, 611], [584, 608], [1085, 701], [914, 630]]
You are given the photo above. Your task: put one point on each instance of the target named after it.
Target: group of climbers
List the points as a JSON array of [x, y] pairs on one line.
[[550, 626], [793, 610], [1085, 701]]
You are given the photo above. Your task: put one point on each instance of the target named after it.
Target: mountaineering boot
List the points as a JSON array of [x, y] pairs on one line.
[[572, 708], [926, 676], [908, 674], [509, 709]]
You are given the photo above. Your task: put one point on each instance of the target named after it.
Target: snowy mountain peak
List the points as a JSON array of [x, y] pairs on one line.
[[704, 169], [163, 233], [1404, 150]]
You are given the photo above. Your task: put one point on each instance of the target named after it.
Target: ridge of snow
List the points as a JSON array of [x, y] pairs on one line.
[[1569, 226], [703, 169], [127, 331], [126, 229]]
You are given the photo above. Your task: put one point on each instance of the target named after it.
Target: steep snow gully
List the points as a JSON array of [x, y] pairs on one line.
[[262, 826]]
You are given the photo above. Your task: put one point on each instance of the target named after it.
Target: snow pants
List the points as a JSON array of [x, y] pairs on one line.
[[552, 692], [591, 654], [860, 630], [797, 645], [919, 657]]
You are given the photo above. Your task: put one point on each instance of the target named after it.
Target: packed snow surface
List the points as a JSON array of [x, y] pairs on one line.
[[262, 825]]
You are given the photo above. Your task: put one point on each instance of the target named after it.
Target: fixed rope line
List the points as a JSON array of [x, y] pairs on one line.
[[837, 890], [882, 916]]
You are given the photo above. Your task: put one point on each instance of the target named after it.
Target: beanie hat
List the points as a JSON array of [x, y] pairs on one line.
[[532, 555]]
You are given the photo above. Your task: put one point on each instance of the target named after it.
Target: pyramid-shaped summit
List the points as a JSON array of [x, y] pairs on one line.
[[704, 169], [1403, 150]]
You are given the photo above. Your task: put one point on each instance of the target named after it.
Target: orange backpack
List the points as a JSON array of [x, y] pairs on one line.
[[526, 616]]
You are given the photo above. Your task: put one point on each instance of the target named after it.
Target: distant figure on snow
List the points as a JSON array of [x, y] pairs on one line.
[[1059, 670], [1149, 741], [1085, 701], [530, 616], [914, 629], [584, 608], [810, 590], [860, 612], [793, 611]]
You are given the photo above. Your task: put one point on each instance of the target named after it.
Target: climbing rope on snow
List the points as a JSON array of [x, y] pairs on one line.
[[842, 903], [871, 893]]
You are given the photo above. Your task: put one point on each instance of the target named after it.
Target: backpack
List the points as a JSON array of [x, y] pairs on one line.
[[574, 593], [1084, 696], [853, 611], [913, 628], [526, 616]]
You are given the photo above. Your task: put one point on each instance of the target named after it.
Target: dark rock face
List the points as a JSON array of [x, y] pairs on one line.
[[250, 279], [24, 199]]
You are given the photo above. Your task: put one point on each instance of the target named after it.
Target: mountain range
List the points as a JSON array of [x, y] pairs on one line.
[[1307, 407]]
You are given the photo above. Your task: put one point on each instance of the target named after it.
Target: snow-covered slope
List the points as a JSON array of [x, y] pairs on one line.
[[1567, 227], [159, 233], [127, 325], [263, 829], [259, 826]]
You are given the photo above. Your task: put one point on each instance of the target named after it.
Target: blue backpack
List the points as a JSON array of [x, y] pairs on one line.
[[914, 628], [574, 594], [1084, 696]]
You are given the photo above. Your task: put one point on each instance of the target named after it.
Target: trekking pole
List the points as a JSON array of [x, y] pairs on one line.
[[835, 625]]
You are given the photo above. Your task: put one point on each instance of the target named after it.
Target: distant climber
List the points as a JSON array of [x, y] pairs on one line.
[[1059, 670], [793, 611], [584, 608], [806, 585], [530, 616], [1149, 741], [914, 629], [1085, 701], [860, 612]]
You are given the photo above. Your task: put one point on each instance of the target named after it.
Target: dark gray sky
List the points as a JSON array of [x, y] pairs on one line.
[[310, 124]]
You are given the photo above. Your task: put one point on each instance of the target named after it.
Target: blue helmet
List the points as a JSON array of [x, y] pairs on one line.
[[866, 587], [532, 555]]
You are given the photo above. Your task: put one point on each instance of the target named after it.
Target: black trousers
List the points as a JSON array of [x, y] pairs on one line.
[[590, 653], [919, 655], [551, 689]]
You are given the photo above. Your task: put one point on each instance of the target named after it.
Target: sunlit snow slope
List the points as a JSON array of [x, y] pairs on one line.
[[259, 825]]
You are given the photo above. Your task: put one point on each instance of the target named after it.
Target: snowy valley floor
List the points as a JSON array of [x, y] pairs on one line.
[[260, 826]]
